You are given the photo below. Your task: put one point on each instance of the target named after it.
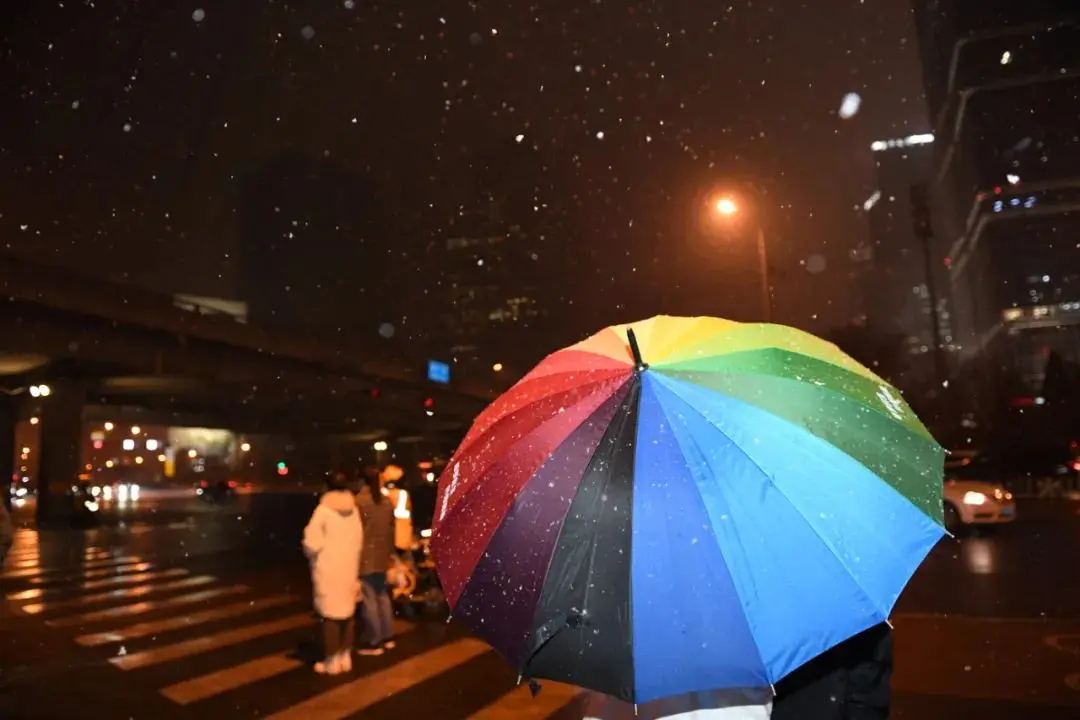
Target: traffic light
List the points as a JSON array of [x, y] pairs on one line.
[[282, 468], [920, 212], [429, 403]]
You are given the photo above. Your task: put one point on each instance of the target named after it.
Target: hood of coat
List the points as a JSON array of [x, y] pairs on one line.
[[342, 502]]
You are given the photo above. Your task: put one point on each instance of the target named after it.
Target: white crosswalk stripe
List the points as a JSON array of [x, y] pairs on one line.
[[214, 640]]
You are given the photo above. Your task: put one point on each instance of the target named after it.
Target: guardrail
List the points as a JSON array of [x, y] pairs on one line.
[[1044, 488]]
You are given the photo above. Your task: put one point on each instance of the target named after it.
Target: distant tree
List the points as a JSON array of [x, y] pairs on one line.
[[883, 352]]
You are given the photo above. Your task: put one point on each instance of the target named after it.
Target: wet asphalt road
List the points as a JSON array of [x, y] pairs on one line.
[[217, 597]]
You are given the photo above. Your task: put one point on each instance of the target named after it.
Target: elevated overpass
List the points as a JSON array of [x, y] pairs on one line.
[[99, 343]]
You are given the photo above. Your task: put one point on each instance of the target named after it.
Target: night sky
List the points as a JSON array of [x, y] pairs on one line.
[[128, 127]]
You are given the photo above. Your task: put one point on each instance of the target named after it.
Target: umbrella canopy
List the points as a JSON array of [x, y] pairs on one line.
[[685, 504]]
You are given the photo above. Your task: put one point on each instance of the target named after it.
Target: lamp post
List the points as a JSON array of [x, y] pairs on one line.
[[726, 208]]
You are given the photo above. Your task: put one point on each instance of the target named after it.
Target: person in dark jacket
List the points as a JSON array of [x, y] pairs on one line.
[[7, 532], [378, 515], [849, 682]]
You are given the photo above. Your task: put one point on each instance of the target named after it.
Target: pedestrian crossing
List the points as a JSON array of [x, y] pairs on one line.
[[207, 646]]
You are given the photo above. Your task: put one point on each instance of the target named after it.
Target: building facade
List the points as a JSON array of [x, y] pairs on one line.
[[488, 300], [898, 290], [1002, 81]]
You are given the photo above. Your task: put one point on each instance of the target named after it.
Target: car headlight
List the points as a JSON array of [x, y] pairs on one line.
[[975, 498]]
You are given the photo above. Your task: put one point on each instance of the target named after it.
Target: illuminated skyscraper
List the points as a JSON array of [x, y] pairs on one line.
[[1002, 80], [897, 289]]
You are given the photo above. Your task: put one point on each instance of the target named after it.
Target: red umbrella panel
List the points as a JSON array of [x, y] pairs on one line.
[[524, 458]]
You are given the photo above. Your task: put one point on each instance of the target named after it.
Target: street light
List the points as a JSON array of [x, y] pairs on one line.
[[497, 367], [380, 446], [245, 447], [725, 207]]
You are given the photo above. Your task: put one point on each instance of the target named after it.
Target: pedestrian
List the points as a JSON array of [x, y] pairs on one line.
[[377, 512], [734, 704], [848, 682], [7, 532], [333, 543]]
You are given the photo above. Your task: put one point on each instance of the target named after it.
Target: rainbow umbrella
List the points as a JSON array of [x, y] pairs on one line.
[[685, 504]]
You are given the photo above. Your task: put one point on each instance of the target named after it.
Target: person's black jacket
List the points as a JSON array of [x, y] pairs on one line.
[[849, 682], [7, 531]]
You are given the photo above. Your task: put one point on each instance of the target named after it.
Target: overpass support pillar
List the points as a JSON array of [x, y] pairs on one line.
[[8, 419], [61, 450]]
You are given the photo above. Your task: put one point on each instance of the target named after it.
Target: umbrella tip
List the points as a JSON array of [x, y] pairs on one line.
[[639, 364]]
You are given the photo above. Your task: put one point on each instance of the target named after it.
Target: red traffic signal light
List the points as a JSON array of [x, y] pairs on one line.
[[429, 403]]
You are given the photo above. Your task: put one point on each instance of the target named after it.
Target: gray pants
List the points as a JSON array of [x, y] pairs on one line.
[[377, 612]]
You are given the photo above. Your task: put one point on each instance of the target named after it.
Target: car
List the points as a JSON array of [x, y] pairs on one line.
[[974, 502], [973, 498], [110, 487], [1026, 469], [216, 491]]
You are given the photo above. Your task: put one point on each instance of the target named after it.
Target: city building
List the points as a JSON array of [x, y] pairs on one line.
[[497, 256], [897, 290], [488, 288], [1002, 81]]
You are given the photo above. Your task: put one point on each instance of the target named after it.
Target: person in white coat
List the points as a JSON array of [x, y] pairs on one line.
[[333, 542], [736, 704]]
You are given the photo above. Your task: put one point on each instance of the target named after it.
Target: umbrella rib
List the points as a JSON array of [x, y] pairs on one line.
[[690, 352], [800, 513], [614, 374], [913, 433], [712, 531], [598, 386]]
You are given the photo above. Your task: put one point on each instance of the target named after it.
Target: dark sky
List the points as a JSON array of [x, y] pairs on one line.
[[128, 126]]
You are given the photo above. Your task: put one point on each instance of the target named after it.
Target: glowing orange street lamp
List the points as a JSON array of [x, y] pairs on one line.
[[726, 207]]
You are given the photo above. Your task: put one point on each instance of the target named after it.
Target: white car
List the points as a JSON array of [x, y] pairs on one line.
[[976, 502]]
